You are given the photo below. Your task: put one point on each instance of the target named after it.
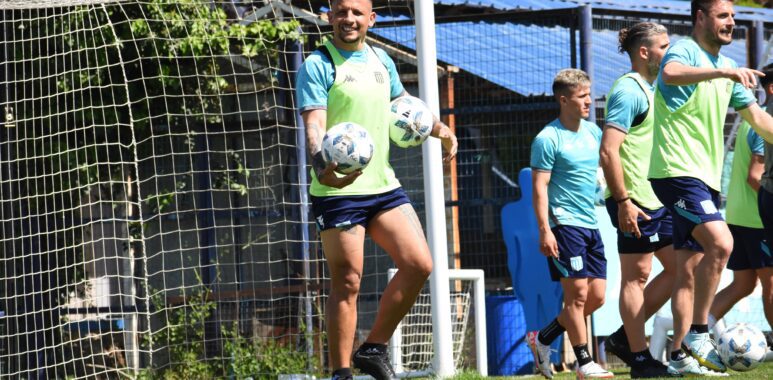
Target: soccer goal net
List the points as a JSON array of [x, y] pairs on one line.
[[153, 184], [411, 347]]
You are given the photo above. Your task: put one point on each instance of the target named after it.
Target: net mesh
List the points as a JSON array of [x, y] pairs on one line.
[[152, 209], [151, 188]]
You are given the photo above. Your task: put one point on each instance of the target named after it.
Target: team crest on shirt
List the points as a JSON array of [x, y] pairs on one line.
[[379, 77], [576, 263]]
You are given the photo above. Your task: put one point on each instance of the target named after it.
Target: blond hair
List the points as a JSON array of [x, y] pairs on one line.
[[568, 79]]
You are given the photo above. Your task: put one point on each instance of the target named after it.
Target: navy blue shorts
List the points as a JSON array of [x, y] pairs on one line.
[[346, 211], [580, 254], [750, 250], [690, 202], [655, 233], [765, 207]]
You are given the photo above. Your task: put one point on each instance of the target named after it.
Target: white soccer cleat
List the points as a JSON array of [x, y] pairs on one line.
[[543, 358], [689, 367], [593, 370], [703, 349]]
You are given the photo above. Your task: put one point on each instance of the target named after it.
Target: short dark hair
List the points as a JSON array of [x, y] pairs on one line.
[[768, 78], [702, 5]]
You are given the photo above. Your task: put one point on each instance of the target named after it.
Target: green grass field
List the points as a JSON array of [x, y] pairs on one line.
[[764, 371]]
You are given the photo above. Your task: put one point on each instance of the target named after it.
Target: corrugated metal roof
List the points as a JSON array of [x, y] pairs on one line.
[[657, 6], [525, 58]]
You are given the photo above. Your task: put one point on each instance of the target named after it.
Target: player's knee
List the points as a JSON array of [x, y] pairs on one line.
[[642, 275], [684, 279], [746, 288], [419, 269], [595, 302], [349, 284], [578, 298], [721, 252]]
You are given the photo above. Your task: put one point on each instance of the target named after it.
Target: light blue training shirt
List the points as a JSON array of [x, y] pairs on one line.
[[627, 103], [572, 158], [688, 52], [317, 75]]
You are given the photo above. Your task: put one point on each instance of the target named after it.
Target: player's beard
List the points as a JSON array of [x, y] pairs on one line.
[[653, 68]]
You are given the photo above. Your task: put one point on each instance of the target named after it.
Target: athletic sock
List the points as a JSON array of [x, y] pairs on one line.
[[382, 348], [550, 332], [699, 329], [641, 358], [677, 355], [342, 373], [582, 354]]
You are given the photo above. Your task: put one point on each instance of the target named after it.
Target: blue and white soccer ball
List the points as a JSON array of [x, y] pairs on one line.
[[742, 347], [349, 145], [411, 121]]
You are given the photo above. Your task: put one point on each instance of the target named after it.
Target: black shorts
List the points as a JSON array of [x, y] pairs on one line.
[[750, 250]]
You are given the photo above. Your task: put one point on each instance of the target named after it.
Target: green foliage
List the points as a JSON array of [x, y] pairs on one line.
[[241, 358], [262, 358]]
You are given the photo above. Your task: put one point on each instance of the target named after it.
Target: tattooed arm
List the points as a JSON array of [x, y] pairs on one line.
[[315, 122]]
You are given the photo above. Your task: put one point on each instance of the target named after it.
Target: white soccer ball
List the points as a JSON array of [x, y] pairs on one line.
[[411, 121], [349, 145], [742, 347]]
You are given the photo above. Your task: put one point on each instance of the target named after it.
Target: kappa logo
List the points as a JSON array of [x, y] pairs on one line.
[[321, 222], [349, 79], [379, 77], [680, 203]]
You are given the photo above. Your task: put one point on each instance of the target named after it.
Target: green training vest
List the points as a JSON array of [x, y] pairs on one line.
[[360, 94], [742, 207], [635, 153], [689, 141]]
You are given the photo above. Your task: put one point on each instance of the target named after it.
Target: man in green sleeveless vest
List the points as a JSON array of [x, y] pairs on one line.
[[751, 257], [695, 87], [346, 80], [643, 224]]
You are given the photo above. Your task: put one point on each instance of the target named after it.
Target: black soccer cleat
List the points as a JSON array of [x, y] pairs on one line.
[[649, 368], [617, 343], [374, 362]]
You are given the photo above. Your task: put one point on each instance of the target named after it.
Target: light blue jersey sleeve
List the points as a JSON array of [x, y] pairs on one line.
[[742, 97], [315, 77], [317, 74], [756, 143], [626, 103], [543, 152], [595, 130]]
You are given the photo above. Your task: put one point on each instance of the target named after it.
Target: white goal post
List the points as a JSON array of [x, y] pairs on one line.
[[469, 293]]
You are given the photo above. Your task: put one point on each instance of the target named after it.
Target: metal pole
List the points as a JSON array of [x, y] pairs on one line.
[[758, 51], [303, 196], [586, 50], [434, 196]]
